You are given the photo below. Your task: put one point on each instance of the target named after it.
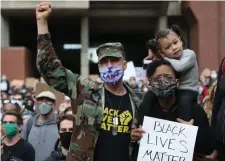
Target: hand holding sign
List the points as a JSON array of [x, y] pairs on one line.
[[200, 157], [191, 122], [136, 134], [213, 156]]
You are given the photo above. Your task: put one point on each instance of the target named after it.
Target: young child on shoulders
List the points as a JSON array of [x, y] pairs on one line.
[[169, 45]]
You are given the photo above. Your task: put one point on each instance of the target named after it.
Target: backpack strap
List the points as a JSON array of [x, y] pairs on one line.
[[29, 126]]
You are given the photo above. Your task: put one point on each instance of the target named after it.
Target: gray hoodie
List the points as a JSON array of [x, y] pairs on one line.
[[188, 68], [42, 136]]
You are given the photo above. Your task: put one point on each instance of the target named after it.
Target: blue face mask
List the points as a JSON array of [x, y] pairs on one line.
[[111, 75], [11, 129], [44, 108]]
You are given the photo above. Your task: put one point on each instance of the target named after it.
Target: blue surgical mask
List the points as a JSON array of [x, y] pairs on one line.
[[44, 108], [111, 75]]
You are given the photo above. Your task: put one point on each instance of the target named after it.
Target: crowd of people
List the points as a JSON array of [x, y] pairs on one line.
[[102, 121]]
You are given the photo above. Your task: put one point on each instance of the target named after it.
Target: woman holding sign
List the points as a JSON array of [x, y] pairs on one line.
[[161, 102]]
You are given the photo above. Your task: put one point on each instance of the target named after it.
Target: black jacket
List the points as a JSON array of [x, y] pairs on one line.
[[218, 114], [56, 155], [219, 95]]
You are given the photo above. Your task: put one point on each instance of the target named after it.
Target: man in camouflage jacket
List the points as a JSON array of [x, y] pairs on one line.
[[87, 96]]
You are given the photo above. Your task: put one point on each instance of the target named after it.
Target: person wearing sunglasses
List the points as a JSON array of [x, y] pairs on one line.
[[11, 105]]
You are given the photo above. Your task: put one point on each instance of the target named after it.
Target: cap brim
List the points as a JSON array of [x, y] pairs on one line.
[[110, 55], [46, 97]]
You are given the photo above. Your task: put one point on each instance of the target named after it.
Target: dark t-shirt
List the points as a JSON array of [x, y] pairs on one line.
[[111, 147], [21, 150]]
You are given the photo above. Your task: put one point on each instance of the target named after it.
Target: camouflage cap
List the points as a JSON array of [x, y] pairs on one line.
[[110, 49]]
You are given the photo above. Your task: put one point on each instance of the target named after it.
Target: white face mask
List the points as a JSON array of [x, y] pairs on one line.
[[4, 77], [213, 75], [145, 89], [140, 85], [3, 86], [200, 89]]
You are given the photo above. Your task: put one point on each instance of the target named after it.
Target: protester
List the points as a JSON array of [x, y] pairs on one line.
[[4, 84], [218, 114], [169, 45], [29, 104], [68, 111], [144, 88], [65, 127], [95, 135], [207, 102], [202, 93], [133, 83], [27, 114], [28, 108], [17, 96], [14, 147], [4, 95], [63, 106], [161, 102], [207, 79], [41, 130], [141, 83], [11, 105]]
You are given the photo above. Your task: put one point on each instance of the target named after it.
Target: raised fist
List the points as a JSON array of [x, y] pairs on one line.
[[43, 10], [125, 117]]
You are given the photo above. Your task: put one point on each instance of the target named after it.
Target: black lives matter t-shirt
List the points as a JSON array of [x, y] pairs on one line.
[[111, 147]]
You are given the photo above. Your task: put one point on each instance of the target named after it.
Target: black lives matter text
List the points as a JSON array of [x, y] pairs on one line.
[[168, 143]]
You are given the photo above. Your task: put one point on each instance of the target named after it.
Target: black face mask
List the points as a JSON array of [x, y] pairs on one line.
[[29, 107], [29, 104], [65, 139], [165, 88]]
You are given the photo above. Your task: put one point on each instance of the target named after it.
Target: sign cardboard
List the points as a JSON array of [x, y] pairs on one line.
[[31, 82], [17, 83], [140, 73], [130, 71], [167, 141]]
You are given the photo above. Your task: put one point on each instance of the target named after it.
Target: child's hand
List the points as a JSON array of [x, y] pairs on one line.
[[150, 55]]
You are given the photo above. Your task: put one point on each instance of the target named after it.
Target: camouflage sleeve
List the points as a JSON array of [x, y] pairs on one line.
[[51, 69]]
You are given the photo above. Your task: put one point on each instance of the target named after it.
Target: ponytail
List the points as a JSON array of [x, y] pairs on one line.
[[152, 45], [176, 29]]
